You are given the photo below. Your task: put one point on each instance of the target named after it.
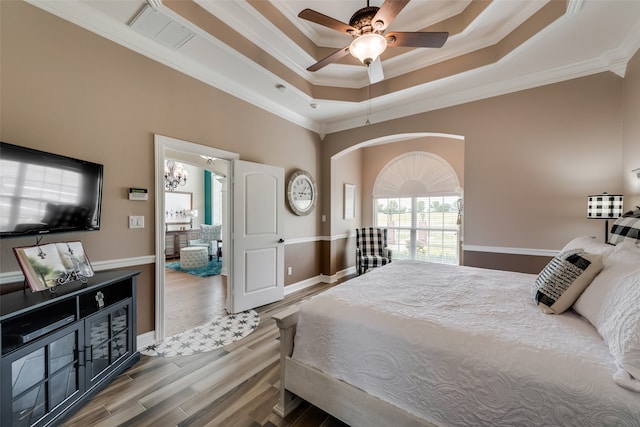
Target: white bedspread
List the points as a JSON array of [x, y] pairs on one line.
[[463, 346]]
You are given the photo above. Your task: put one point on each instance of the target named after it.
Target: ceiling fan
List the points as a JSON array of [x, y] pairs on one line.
[[367, 27]]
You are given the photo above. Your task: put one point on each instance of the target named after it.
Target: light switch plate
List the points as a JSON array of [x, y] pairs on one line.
[[136, 221]]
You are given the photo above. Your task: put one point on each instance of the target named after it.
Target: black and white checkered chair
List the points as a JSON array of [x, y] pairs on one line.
[[371, 248]]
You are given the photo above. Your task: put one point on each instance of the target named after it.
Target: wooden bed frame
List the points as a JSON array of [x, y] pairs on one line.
[[345, 402]]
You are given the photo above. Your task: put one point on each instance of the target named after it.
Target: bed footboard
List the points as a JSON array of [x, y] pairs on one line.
[[343, 401], [286, 322]]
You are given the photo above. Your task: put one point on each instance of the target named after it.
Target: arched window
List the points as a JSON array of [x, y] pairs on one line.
[[418, 198]]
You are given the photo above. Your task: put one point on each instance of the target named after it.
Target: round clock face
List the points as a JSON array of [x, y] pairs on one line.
[[301, 193]]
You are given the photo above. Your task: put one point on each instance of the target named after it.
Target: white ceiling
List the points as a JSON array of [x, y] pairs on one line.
[[268, 45]]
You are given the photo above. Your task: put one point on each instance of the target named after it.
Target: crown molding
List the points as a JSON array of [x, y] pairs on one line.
[[267, 36], [422, 102]]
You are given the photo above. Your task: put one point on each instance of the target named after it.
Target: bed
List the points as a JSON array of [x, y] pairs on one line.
[[425, 344]]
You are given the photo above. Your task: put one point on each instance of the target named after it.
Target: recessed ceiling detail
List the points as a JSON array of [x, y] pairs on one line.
[[246, 48]]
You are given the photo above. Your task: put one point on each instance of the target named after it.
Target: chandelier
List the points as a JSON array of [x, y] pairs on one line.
[[174, 175]]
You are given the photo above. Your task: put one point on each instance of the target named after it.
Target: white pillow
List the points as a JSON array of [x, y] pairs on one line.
[[592, 302], [620, 324], [612, 304], [620, 262], [588, 244], [625, 252], [562, 281]]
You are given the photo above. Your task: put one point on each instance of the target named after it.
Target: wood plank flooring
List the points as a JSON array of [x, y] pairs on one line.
[[192, 301], [236, 386]]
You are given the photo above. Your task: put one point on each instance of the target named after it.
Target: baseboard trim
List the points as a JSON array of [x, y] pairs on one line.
[[145, 340], [295, 287], [339, 275], [321, 278]]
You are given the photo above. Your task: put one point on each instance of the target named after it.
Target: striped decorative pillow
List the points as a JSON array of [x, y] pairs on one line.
[[562, 281]]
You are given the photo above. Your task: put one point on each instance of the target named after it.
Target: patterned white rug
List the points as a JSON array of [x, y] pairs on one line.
[[210, 336]]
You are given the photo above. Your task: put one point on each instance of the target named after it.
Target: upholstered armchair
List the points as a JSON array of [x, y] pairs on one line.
[[371, 248], [211, 238]]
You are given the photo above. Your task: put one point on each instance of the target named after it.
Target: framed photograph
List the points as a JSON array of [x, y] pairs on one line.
[[349, 201], [47, 266]]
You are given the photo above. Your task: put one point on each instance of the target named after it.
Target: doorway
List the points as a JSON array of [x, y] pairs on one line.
[[170, 148]]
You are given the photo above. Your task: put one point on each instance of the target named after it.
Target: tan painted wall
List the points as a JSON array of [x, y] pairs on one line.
[[631, 133], [304, 260]]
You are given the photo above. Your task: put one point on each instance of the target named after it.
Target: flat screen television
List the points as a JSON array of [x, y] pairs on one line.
[[44, 193]]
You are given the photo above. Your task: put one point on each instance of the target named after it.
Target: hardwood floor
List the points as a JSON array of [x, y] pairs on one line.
[[191, 301], [236, 386]]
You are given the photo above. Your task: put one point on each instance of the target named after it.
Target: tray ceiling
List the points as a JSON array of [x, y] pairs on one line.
[[258, 50]]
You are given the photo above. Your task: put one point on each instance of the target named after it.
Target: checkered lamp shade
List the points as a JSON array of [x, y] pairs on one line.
[[604, 206]]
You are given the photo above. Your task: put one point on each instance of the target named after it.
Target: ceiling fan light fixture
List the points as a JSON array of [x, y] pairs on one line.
[[368, 47]]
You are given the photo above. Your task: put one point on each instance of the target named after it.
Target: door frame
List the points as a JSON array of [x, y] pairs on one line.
[[161, 144]]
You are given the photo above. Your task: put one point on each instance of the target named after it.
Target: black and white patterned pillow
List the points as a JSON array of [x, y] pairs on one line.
[[562, 281], [633, 213], [627, 227]]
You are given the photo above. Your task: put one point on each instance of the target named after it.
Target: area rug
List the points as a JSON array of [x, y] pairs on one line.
[[212, 335], [213, 268]]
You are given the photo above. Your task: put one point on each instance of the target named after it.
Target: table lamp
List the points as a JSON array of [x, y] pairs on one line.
[[605, 206]]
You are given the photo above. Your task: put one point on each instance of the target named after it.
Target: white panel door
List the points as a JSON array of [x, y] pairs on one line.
[[258, 250]]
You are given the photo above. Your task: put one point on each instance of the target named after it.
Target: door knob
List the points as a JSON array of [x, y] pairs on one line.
[[281, 241]]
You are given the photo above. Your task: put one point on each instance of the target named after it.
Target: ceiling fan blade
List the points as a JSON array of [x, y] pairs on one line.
[[435, 39], [375, 71], [329, 59], [327, 21], [387, 13]]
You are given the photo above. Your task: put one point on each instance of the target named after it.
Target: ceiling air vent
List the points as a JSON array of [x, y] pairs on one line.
[[161, 28]]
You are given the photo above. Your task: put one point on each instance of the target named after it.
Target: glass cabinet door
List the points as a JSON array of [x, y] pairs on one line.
[[63, 372], [98, 345], [120, 332], [44, 377], [28, 388], [107, 339]]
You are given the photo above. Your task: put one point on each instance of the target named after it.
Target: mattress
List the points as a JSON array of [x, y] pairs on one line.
[[463, 346]]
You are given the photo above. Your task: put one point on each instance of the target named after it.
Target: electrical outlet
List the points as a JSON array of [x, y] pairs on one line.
[[289, 271], [136, 221]]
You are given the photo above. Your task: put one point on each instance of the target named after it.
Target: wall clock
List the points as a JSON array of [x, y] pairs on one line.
[[301, 192]]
